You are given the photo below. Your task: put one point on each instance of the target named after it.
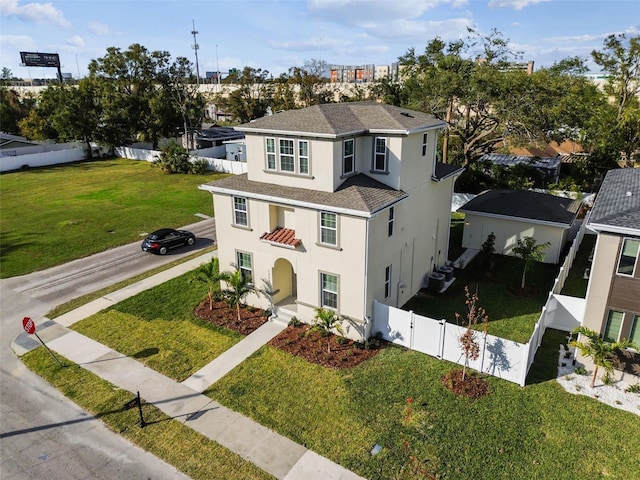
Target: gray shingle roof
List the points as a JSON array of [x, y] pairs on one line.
[[358, 193], [524, 204], [618, 201], [337, 119]]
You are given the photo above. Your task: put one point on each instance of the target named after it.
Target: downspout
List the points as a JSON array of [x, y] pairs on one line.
[[366, 319]]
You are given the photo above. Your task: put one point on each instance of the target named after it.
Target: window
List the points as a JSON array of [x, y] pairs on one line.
[[380, 155], [303, 157], [328, 228], [387, 281], [348, 165], [628, 256], [244, 265], [271, 153], [612, 328], [634, 336], [329, 291], [425, 137], [240, 216], [287, 163], [392, 214]]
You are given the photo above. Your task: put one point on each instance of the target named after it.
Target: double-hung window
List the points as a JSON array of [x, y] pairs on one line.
[[425, 137], [287, 163], [243, 262], [380, 155], [328, 228], [628, 256], [329, 291], [348, 157], [387, 281], [392, 217], [271, 153], [240, 214], [612, 328], [303, 157]]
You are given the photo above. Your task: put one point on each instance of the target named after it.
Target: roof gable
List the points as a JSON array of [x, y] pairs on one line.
[[617, 204]]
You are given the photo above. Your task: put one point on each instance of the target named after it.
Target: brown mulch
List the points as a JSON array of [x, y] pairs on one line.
[[472, 386], [296, 340]]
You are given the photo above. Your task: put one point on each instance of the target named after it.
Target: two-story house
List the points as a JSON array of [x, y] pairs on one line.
[[613, 294], [341, 204]]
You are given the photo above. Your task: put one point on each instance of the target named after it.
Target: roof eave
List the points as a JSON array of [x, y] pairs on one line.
[[604, 228], [520, 219]]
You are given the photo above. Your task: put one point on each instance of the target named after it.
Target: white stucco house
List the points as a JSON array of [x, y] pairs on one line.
[[341, 204]]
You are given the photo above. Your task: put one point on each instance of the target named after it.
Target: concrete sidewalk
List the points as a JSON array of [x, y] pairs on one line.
[[275, 454]]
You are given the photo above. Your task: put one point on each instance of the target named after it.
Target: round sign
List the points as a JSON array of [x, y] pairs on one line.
[[28, 325]]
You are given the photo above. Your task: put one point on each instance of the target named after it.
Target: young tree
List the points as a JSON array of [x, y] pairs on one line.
[[530, 251], [252, 97], [475, 317], [174, 158], [327, 320], [599, 350], [209, 273], [238, 288]]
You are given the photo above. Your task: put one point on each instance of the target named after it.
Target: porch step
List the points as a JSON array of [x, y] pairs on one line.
[[282, 315]]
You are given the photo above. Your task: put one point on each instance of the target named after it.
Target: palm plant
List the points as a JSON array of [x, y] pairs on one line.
[[530, 251], [327, 320], [238, 288], [209, 273], [599, 350]]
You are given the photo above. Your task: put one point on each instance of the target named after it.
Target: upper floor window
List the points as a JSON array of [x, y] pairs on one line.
[[271, 153], [392, 214], [387, 281], [348, 157], [425, 137], [240, 214], [287, 163], [612, 328], [328, 291], [328, 228], [303, 157], [628, 256], [380, 155], [244, 263]]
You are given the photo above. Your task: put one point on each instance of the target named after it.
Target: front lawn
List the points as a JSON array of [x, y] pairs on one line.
[[55, 214]]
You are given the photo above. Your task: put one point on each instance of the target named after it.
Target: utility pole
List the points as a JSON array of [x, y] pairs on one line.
[[195, 46], [217, 66]]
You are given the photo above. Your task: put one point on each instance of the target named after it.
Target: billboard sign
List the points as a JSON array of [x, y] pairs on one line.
[[35, 59]]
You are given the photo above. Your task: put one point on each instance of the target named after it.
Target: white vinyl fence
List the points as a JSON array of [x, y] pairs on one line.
[[41, 156], [215, 164], [499, 357]]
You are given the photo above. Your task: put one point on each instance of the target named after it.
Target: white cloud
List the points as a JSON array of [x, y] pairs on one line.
[[33, 12], [99, 29], [515, 4], [359, 11], [23, 42], [310, 44], [420, 30], [75, 41]]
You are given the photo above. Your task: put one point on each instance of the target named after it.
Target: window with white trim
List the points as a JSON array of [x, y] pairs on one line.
[[628, 256], [380, 155], [634, 336], [303, 157], [240, 214], [348, 156], [328, 228], [387, 281], [328, 291], [612, 328], [287, 163], [244, 263], [271, 153], [392, 214], [425, 137]]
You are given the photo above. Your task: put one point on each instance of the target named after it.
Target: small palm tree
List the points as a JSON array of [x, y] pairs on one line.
[[209, 273], [599, 350], [530, 251], [327, 320], [238, 287]]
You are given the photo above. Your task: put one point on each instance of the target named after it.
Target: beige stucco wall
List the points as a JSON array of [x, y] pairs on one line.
[[602, 269], [508, 232]]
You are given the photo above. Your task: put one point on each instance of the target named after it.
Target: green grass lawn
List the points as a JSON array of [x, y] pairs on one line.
[[455, 235], [576, 284], [511, 315], [158, 328], [55, 214], [171, 440]]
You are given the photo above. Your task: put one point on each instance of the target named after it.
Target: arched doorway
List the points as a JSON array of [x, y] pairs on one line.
[[284, 283]]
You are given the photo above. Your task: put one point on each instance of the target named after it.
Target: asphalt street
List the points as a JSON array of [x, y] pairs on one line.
[[42, 433]]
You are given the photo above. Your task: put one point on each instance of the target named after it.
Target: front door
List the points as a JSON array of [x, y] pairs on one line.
[[284, 280]]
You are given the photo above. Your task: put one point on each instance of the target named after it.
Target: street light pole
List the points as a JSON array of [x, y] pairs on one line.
[[196, 47], [217, 66]]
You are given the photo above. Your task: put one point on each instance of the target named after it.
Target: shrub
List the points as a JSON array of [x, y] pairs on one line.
[[581, 371], [199, 166], [633, 388], [294, 322]]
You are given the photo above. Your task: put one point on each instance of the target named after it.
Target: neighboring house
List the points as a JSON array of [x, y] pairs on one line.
[[514, 214], [549, 167], [613, 295], [12, 142], [341, 204]]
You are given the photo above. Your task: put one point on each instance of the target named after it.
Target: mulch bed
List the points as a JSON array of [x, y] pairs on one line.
[[296, 340], [472, 386]]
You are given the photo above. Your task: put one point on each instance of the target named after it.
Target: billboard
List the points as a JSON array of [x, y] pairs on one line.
[[35, 59]]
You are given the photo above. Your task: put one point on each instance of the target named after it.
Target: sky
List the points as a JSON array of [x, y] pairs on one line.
[[275, 35]]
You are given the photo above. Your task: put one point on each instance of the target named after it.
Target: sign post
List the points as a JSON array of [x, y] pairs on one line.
[[132, 404], [30, 327]]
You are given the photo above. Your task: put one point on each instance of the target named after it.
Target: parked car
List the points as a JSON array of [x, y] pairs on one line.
[[161, 241]]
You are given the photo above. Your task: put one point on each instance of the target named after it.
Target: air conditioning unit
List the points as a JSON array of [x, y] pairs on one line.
[[436, 281], [447, 272]]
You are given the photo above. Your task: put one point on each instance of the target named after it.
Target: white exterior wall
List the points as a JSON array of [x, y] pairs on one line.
[[605, 261], [508, 232]]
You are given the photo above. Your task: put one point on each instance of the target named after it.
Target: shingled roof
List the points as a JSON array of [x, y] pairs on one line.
[[524, 204], [617, 205], [359, 193], [339, 119]]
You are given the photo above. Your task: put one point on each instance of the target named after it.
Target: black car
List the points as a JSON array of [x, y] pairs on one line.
[[164, 239]]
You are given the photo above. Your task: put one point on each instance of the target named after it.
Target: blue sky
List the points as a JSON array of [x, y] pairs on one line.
[[278, 34]]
